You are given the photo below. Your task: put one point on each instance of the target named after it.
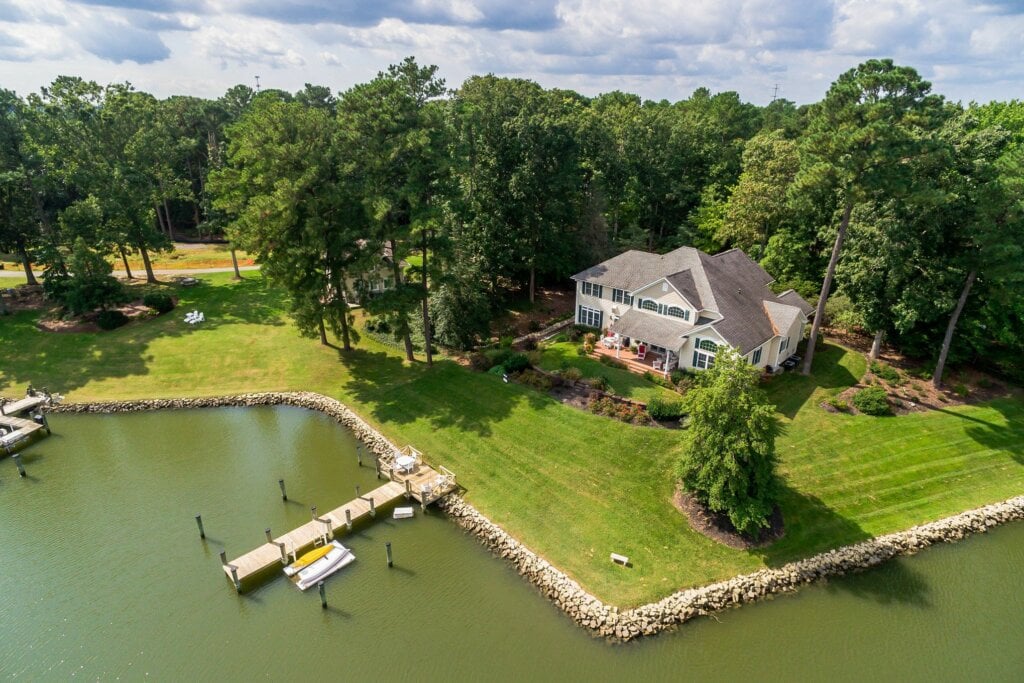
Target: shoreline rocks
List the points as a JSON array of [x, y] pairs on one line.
[[584, 609]]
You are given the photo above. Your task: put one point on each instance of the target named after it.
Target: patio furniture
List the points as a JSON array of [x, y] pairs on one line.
[[610, 342], [641, 352], [405, 463]]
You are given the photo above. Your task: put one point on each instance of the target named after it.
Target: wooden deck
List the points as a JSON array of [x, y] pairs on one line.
[[423, 484], [630, 361], [20, 428]]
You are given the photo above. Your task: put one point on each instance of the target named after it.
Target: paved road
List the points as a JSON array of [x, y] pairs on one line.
[[156, 271]]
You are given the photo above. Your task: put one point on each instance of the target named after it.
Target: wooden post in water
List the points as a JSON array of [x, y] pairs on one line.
[[357, 491], [408, 489], [284, 494], [359, 454], [199, 521], [284, 553], [348, 518], [330, 527], [270, 539], [234, 578], [376, 464], [373, 508], [387, 547], [323, 595], [17, 461], [313, 511], [224, 558]]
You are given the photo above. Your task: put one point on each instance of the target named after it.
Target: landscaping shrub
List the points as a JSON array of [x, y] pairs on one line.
[[961, 390], [498, 356], [505, 341], [986, 383], [841, 314], [665, 409], [498, 370], [534, 357], [588, 347], [677, 376], [886, 372], [572, 375], [600, 383], [534, 326], [535, 379], [872, 401], [920, 373], [378, 325], [161, 303], [111, 320], [590, 338], [603, 406], [581, 350], [576, 332], [839, 404], [516, 362], [480, 362]]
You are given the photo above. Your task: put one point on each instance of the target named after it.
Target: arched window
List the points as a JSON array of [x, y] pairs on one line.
[[676, 312], [707, 345], [649, 305]]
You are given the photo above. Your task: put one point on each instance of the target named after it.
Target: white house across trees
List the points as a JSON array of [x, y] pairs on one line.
[[676, 310]]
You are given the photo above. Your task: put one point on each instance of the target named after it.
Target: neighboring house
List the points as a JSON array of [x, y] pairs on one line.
[[685, 305], [378, 278]]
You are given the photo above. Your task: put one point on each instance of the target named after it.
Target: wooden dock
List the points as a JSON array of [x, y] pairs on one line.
[[417, 481], [19, 428]]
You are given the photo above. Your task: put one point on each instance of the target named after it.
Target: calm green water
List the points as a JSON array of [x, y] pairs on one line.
[[103, 576]]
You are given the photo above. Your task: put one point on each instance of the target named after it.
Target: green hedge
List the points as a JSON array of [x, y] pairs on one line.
[[872, 401]]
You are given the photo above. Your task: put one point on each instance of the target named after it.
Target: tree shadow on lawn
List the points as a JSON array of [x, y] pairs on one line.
[[812, 527], [63, 362], [1008, 438], [447, 395], [791, 390]]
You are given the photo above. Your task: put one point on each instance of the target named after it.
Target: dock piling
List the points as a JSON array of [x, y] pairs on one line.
[[270, 539], [234, 578], [284, 494], [408, 489], [17, 461], [323, 595], [40, 419], [387, 548], [376, 464], [359, 454], [313, 511], [224, 558], [373, 509], [358, 494], [348, 519], [284, 553], [199, 522]]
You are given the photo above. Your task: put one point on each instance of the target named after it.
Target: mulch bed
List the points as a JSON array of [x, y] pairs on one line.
[[134, 310], [551, 305], [717, 526]]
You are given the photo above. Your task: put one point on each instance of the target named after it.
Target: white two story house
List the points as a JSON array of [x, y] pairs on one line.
[[685, 305]]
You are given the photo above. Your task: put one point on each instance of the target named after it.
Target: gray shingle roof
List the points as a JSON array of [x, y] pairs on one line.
[[729, 283], [652, 329], [781, 315]]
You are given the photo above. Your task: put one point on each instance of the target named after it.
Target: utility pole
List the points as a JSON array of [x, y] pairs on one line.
[[775, 91]]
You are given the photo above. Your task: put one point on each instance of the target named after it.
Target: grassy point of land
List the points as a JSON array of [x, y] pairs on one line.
[[573, 486]]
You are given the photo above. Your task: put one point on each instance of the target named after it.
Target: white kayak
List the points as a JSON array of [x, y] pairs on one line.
[[338, 557]]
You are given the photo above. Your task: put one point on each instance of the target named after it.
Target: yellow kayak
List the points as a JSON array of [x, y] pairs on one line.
[[308, 559]]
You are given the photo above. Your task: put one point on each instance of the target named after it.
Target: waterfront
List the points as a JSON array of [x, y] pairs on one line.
[[103, 575]]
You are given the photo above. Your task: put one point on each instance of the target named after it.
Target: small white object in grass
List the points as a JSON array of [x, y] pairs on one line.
[[620, 559]]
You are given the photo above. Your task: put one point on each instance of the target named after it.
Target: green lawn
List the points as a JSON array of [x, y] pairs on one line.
[[622, 382], [572, 486]]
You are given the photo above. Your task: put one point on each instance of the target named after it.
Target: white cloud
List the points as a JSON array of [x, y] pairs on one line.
[[253, 45]]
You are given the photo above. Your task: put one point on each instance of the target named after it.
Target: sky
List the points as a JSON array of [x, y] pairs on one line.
[[659, 49]]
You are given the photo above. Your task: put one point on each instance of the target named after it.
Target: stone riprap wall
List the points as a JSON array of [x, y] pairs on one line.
[[607, 621], [586, 610]]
